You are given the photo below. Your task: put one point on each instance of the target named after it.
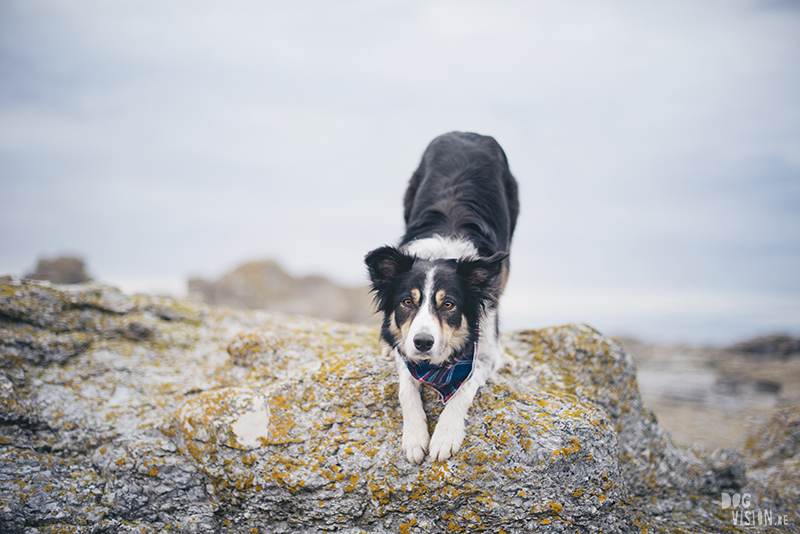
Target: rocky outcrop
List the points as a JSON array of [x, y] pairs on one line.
[[141, 414], [264, 285], [716, 396], [62, 270], [780, 346]]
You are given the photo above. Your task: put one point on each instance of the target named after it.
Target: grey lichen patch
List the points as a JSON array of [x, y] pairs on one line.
[[36, 304], [777, 440], [25, 343], [13, 411], [773, 456], [48, 489]]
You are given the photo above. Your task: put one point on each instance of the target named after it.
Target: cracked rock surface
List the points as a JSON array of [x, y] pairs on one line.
[[123, 413]]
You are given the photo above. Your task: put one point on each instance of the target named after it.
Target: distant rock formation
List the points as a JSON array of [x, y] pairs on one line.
[[62, 270], [716, 396], [146, 414], [775, 345], [264, 285]]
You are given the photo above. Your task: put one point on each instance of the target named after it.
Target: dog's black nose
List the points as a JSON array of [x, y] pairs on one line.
[[423, 342]]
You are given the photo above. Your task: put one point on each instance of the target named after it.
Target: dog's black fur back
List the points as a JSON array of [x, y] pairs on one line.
[[463, 187]]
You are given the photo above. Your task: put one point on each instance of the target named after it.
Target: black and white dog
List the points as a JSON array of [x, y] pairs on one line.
[[439, 289]]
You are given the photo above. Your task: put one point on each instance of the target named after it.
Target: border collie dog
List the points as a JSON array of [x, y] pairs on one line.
[[439, 289]]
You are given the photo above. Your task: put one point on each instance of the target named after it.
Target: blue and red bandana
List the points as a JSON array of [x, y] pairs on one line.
[[446, 378]]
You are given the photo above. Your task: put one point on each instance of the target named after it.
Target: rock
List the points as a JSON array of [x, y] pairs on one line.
[[264, 285], [713, 396], [13, 410], [775, 345], [215, 420], [777, 441], [62, 270], [773, 459]]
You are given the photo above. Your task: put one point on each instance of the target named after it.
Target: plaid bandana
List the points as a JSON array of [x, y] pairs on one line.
[[446, 378]]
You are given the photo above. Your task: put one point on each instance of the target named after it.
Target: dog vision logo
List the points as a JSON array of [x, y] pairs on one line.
[[743, 516]]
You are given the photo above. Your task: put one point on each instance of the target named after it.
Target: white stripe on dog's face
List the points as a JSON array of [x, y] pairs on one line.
[[425, 324], [428, 322]]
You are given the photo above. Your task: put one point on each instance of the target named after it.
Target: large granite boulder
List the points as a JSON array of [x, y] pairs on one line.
[[127, 413]]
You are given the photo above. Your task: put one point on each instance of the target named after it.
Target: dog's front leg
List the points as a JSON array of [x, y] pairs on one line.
[[415, 423], [450, 429]]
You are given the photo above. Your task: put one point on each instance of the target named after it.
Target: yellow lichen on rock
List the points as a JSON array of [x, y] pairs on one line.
[[126, 413]]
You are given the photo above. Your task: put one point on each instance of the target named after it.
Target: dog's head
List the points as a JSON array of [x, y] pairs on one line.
[[431, 308]]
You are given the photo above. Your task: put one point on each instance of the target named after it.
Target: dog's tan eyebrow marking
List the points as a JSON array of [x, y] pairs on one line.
[[440, 296], [416, 296]]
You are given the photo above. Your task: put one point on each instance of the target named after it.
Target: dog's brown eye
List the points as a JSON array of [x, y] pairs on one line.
[[407, 302], [448, 305]]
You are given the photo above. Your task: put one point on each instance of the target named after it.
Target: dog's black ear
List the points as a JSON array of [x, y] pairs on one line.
[[385, 264], [484, 276]]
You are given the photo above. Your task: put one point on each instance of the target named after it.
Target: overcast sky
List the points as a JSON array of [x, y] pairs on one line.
[[657, 145]]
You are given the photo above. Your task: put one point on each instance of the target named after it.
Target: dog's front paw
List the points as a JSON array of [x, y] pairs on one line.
[[447, 439], [415, 442]]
